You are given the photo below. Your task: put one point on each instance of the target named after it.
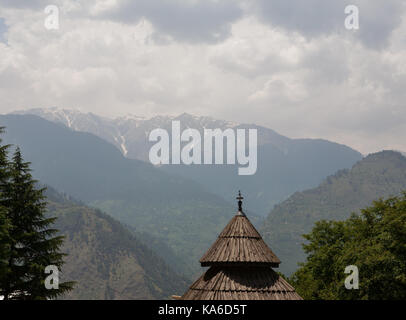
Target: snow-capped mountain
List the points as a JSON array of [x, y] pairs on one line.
[[130, 133], [107, 129], [284, 165]]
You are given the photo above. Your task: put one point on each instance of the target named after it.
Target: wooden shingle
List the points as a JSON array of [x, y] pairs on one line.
[[239, 242], [241, 283]]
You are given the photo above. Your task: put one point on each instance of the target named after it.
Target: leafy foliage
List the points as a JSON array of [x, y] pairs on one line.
[[374, 241]]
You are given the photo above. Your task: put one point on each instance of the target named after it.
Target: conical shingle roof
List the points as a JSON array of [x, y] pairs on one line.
[[239, 242]]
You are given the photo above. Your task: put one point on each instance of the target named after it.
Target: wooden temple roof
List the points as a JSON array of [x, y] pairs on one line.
[[240, 267], [251, 283]]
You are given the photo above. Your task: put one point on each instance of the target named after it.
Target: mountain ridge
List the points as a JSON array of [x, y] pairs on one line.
[[284, 165], [116, 130]]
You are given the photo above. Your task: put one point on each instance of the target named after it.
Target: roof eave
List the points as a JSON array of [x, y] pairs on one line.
[[239, 264]]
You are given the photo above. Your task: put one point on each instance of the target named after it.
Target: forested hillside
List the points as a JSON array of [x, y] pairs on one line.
[[105, 259]]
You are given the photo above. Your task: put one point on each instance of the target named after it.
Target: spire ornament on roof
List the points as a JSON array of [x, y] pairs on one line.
[[240, 198]]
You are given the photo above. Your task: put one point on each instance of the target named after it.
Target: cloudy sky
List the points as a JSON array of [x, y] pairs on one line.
[[289, 65]]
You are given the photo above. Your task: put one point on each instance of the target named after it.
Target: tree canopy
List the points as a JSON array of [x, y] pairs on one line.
[[374, 241]]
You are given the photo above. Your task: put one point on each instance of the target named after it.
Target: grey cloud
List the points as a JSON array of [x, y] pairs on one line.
[[3, 30], [209, 20], [378, 20], [206, 21], [310, 17], [23, 4], [317, 17], [328, 65]]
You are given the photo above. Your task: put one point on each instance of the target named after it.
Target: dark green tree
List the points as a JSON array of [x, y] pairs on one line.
[[4, 170], [34, 244], [374, 241], [4, 244], [4, 222]]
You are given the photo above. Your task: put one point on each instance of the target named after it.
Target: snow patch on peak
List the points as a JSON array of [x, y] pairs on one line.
[[123, 146], [68, 120], [131, 116]]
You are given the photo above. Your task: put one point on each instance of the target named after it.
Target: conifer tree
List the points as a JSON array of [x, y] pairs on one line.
[[4, 245], [34, 245], [4, 222]]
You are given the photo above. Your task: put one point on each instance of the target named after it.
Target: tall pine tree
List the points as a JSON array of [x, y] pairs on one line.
[[4, 245], [4, 222], [34, 245]]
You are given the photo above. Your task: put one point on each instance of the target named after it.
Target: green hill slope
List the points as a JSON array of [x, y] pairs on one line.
[[106, 259], [378, 175]]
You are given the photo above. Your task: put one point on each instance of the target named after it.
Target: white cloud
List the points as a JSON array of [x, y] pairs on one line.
[[299, 81]]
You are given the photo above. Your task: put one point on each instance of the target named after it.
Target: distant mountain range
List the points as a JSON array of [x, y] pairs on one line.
[[284, 165], [379, 175], [173, 210], [129, 134], [106, 259]]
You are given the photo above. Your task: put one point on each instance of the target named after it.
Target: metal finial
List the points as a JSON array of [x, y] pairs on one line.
[[239, 198]]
